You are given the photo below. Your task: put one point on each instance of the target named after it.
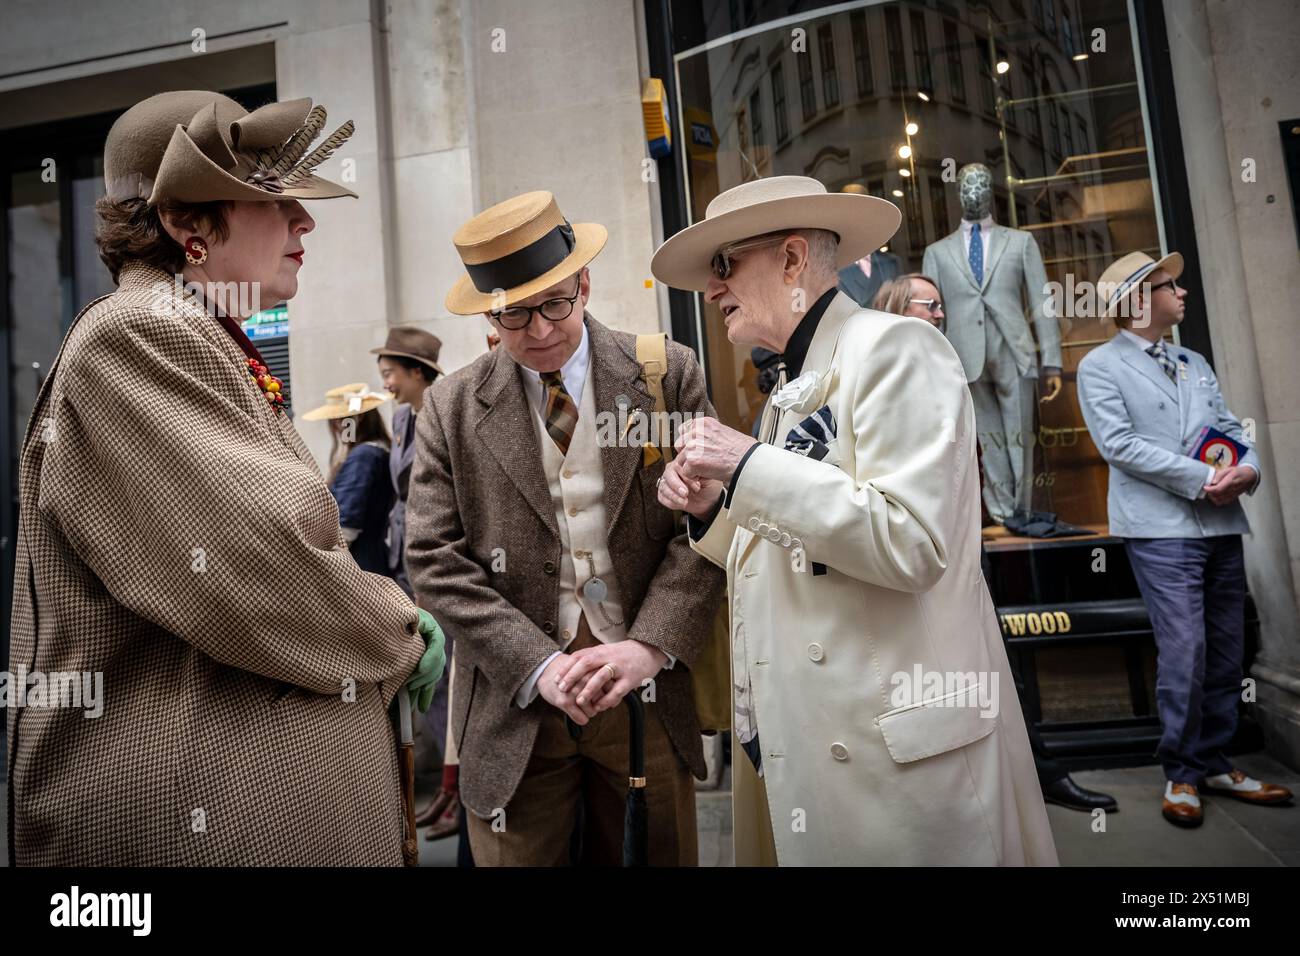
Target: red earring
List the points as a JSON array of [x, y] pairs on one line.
[[196, 251]]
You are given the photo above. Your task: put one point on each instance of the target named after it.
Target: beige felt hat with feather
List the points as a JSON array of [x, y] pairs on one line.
[[198, 146]]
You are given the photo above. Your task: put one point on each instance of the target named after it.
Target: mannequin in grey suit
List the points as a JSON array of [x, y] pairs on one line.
[[987, 274]]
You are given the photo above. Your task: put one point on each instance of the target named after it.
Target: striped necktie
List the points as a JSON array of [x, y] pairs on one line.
[[561, 412], [1161, 356]]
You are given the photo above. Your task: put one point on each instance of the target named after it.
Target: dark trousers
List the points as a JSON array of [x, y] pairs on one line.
[[1195, 593]]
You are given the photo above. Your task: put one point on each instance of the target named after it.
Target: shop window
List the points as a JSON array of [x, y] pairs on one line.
[[921, 51], [894, 47], [830, 80], [956, 69], [861, 53], [1080, 217]]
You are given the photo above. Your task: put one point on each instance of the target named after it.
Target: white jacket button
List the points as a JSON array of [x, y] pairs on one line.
[[753, 524], [774, 534], [815, 652], [785, 539], [763, 528], [839, 751]]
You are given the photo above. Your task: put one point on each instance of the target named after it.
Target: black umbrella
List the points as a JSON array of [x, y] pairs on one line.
[[635, 834], [635, 828]]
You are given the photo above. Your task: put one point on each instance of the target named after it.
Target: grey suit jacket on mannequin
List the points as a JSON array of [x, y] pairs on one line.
[[1013, 268]]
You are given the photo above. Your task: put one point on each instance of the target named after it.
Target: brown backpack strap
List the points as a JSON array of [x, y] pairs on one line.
[[652, 354]]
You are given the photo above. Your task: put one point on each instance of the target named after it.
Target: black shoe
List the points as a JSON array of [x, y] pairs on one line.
[[1066, 793]]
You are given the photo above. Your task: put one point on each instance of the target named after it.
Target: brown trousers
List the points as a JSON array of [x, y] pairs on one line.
[[537, 827]]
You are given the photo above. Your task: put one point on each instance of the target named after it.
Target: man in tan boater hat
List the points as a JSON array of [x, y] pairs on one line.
[[533, 528], [1179, 463], [851, 537]]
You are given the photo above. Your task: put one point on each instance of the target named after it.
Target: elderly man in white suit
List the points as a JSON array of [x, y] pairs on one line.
[[876, 718]]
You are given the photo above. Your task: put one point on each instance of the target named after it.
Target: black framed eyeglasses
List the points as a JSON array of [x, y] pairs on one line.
[[1171, 284], [554, 310], [932, 305], [723, 263]]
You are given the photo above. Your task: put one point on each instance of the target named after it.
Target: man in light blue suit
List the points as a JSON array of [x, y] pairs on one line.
[[1146, 402]]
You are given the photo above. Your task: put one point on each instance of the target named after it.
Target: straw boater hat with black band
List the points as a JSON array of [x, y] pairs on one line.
[[197, 146], [775, 204], [412, 342], [1125, 276], [516, 249]]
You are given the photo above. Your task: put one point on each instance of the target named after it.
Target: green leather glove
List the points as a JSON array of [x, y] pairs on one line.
[[433, 661]]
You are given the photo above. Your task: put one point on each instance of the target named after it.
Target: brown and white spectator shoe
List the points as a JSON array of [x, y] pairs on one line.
[[1238, 785], [1182, 806]]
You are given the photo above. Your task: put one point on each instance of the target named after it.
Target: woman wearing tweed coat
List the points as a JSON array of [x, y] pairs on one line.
[[177, 538]]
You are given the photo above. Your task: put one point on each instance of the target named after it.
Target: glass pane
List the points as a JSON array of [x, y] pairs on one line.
[[35, 293], [1065, 143], [90, 275]]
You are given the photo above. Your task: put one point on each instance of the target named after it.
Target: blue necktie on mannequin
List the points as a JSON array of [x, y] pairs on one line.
[[976, 254]]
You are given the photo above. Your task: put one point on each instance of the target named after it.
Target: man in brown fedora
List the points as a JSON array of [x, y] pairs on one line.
[[535, 530]]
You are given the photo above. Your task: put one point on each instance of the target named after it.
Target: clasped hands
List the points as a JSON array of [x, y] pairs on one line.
[[708, 453], [1229, 483], [594, 679]]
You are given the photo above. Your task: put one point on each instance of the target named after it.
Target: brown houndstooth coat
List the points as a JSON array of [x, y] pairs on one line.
[[478, 485], [176, 536]]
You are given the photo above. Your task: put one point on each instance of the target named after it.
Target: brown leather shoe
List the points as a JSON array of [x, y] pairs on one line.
[[1240, 786], [449, 823], [1182, 805], [435, 808]]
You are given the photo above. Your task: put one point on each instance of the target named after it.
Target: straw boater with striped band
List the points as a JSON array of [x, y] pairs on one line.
[[1125, 276], [516, 249]]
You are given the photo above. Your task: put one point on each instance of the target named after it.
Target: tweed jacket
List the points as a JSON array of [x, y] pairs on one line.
[[177, 537], [478, 493]]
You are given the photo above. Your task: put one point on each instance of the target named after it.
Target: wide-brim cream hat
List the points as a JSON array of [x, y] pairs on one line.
[[516, 249], [197, 146], [778, 203], [346, 401], [1123, 276]]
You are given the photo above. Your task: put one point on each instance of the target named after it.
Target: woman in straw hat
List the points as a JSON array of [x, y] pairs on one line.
[[358, 477], [178, 543]]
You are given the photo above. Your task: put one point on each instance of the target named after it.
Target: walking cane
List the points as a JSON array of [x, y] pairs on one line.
[[406, 772]]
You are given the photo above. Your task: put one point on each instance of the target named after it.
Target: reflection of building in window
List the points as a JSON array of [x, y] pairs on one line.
[[861, 53], [742, 135], [756, 116], [921, 51], [830, 82], [1035, 121], [894, 46], [986, 73], [807, 92], [956, 70], [778, 103], [1049, 18], [915, 227], [939, 207], [1067, 32]]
